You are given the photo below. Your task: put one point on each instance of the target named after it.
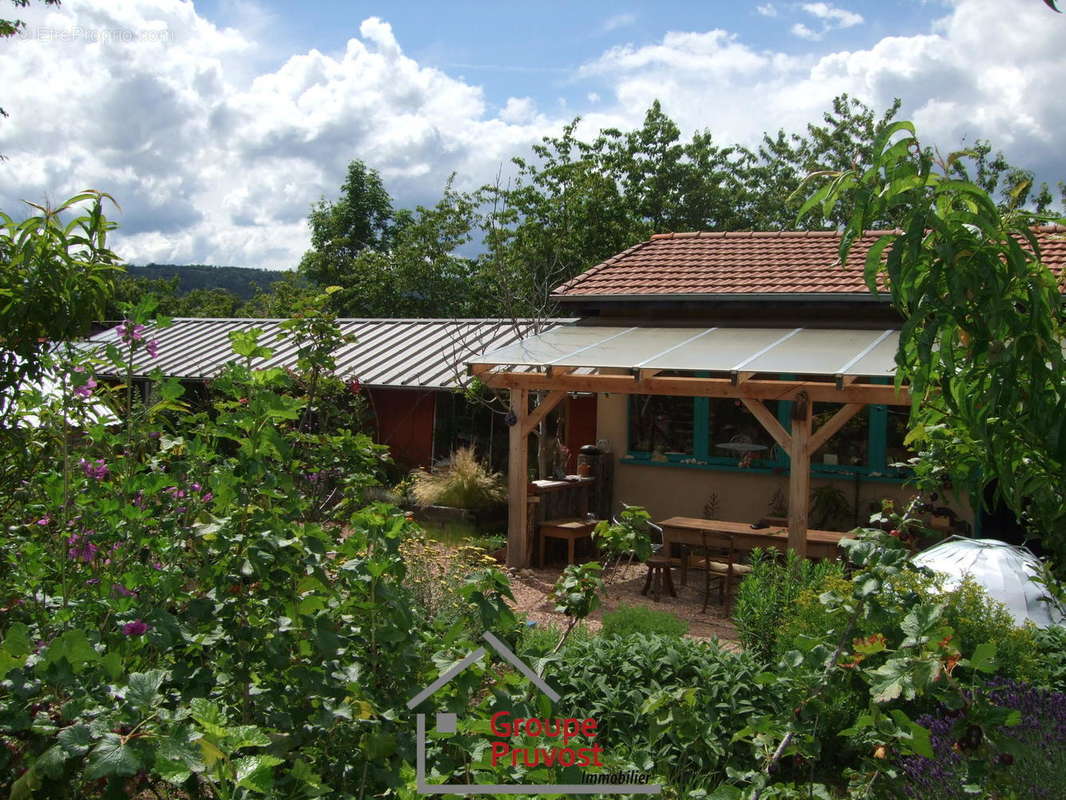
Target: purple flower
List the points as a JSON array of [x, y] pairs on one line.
[[136, 628], [195, 487], [86, 389], [45, 520], [81, 549], [122, 591], [208, 497], [95, 469], [128, 331], [152, 347], [157, 565]]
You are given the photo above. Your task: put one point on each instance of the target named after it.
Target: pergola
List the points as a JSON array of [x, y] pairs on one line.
[[819, 365]]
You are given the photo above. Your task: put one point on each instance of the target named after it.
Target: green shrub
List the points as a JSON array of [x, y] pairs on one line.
[[538, 641], [672, 704], [976, 618], [1051, 656], [465, 483], [626, 620], [769, 592]]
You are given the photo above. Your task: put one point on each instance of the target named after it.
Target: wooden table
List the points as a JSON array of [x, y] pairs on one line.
[[569, 529], [694, 531]]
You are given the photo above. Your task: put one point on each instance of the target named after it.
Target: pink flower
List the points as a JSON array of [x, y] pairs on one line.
[[81, 549], [86, 389], [208, 497], [45, 520], [128, 331], [152, 347], [95, 469], [136, 628]]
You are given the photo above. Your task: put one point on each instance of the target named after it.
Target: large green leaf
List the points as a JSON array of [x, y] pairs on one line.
[[112, 757]]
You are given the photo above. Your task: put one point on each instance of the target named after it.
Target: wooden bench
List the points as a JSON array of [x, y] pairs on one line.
[[569, 530]]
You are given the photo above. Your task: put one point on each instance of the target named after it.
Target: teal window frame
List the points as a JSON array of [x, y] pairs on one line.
[[876, 467]]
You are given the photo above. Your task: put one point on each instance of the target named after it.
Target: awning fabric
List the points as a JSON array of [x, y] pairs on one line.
[[801, 351]]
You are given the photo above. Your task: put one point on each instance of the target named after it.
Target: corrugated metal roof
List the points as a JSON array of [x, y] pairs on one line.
[[403, 353], [831, 352]]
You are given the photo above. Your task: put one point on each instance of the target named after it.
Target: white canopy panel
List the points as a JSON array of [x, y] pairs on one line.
[[801, 351]]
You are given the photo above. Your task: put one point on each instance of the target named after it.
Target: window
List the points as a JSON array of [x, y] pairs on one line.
[[661, 426], [720, 433], [850, 446], [735, 433]]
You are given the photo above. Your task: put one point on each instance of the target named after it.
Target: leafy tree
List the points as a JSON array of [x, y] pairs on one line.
[[285, 298], [361, 219], [56, 276], [981, 344], [420, 273]]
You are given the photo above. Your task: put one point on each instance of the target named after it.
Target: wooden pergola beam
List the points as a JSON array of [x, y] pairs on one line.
[[799, 476], [547, 403], [832, 425], [816, 392], [769, 422]]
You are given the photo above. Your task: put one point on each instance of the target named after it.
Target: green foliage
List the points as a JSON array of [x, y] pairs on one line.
[[576, 592], [1051, 656], [361, 219], [769, 593], [464, 483], [185, 612], [626, 620], [981, 344], [56, 278], [540, 640], [629, 536], [670, 705]]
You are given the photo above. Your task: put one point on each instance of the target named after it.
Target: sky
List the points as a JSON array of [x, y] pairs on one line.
[[217, 124]]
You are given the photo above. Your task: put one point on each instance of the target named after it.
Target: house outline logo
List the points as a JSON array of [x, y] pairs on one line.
[[448, 723]]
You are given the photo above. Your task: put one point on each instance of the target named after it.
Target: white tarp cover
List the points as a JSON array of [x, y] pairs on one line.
[[807, 351], [1004, 570]]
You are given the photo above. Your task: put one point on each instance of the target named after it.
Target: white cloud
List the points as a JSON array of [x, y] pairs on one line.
[[970, 76], [767, 10], [832, 16], [624, 20], [803, 32], [213, 168], [216, 158]]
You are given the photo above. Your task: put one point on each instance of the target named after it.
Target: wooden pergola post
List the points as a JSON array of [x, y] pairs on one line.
[[518, 481], [519, 541], [799, 475]]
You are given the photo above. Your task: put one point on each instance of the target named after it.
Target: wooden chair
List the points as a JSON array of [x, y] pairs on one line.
[[718, 560]]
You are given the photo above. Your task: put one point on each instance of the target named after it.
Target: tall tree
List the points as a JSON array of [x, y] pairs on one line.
[[981, 344], [361, 219]]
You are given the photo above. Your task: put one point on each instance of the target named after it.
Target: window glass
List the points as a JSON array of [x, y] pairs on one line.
[[661, 425], [736, 433], [895, 451], [850, 445]]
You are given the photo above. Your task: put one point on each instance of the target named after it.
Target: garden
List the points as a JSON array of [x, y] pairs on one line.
[[205, 603]]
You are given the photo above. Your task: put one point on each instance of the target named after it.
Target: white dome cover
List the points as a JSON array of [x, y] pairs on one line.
[[1004, 570]]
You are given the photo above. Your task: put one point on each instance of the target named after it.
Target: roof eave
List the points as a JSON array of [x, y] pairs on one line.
[[777, 297]]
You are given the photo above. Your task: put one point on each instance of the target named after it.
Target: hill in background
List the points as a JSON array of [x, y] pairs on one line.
[[241, 281]]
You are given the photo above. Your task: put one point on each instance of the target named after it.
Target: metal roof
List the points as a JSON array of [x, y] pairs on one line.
[[401, 353], [807, 351]]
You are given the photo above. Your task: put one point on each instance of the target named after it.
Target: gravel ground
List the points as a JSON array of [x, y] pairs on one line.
[[531, 588]]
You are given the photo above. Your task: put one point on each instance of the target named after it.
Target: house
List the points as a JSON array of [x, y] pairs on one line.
[[410, 370], [734, 372]]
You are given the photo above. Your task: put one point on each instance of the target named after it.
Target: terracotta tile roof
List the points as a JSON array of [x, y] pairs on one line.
[[770, 262]]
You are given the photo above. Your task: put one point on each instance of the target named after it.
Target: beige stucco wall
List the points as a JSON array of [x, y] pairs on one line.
[[682, 491]]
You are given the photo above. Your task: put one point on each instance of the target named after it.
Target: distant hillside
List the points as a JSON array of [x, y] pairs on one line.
[[242, 281]]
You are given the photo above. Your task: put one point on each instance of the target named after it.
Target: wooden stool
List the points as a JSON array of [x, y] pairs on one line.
[[570, 530], [659, 575]]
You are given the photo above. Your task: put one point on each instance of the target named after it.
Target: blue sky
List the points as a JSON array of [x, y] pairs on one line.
[[217, 123]]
